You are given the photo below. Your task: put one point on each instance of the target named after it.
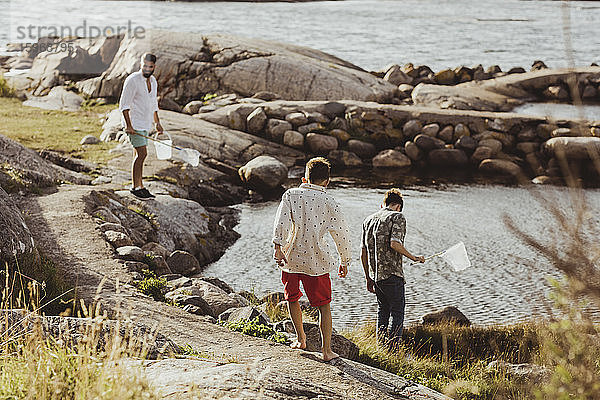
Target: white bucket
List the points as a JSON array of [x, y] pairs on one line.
[[164, 149]]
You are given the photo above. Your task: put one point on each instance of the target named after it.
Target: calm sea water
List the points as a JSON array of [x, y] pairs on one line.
[[369, 33], [508, 281]]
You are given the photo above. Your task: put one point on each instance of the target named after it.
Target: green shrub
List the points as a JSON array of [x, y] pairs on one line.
[[152, 286], [5, 89], [256, 329]]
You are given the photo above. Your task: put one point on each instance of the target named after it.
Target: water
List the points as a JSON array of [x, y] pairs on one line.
[[507, 282], [560, 111], [369, 33]]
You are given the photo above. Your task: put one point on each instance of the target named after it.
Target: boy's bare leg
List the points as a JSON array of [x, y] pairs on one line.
[[139, 155], [296, 315], [326, 330]]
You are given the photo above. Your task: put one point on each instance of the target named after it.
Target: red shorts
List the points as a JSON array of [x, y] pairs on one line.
[[317, 288]]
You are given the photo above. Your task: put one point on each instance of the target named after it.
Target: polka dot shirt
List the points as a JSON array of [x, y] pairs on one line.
[[304, 217]]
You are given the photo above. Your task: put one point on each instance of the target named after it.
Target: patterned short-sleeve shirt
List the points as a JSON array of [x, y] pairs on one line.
[[306, 215], [378, 231]]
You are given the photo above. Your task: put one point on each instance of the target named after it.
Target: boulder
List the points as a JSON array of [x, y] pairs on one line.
[[527, 136], [33, 170], [296, 119], [117, 239], [187, 297], [247, 313], [480, 154], [431, 130], [59, 98], [155, 248], [446, 134], [466, 143], [340, 134], [191, 64], [405, 90], [276, 128], [332, 109], [544, 131], [447, 158], [182, 262], [321, 144], [315, 116], [312, 127], [362, 149], [169, 104], [218, 300], [256, 121], [563, 132], [193, 107], [461, 130], [15, 239], [589, 92], [447, 315], [412, 151], [493, 144], [131, 253], [108, 226], [445, 77], [412, 128], [556, 93], [344, 159], [500, 167], [218, 283], [573, 148], [391, 159], [396, 76], [89, 139], [264, 172], [428, 143], [530, 373], [293, 139]]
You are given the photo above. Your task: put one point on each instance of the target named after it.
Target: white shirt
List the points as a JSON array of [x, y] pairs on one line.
[[140, 102], [305, 215]]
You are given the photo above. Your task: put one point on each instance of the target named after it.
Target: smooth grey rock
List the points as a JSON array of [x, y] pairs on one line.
[[391, 159], [263, 172], [156, 248], [573, 148], [493, 144], [117, 239], [182, 262], [58, 99], [466, 143], [293, 139], [321, 144], [131, 253], [430, 130], [193, 107], [89, 139], [247, 313], [528, 147], [412, 128], [217, 298], [108, 226], [480, 154], [296, 119], [276, 128], [449, 314], [16, 239], [501, 167], [412, 151], [312, 127], [256, 121], [428, 143], [446, 134]]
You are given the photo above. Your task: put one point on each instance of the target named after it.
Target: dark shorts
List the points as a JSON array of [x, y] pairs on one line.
[[317, 288]]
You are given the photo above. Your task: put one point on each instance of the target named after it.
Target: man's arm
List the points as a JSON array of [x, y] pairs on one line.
[[339, 231], [399, 247], [125, 104], [159, 127], [364, 258]]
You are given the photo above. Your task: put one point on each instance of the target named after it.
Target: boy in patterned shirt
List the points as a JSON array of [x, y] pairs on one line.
[[304, 218]]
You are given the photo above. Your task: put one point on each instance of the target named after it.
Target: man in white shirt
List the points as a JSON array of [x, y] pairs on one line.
[[139, 106], [305, 216]]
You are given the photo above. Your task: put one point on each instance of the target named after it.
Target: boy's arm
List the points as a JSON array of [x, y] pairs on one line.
[[397, 239], [399, 247], [339, 231], [281, 228]]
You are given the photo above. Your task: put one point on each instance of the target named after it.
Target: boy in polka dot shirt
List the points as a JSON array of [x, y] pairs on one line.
[[305, 216]]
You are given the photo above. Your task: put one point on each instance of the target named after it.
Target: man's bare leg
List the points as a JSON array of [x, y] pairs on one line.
[[139, 155], [296, 315], [326, 329]]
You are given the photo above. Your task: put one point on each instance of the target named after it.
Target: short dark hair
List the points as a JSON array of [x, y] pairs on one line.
[[393, 196], [149, 57], [317, 170]]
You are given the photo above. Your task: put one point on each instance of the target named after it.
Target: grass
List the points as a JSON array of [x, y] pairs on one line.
[[256, 329], [71, 366], [55, 130], [5, 90], [462, 371]]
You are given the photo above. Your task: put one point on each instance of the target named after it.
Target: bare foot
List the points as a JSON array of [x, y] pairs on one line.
[[329, 355], [299, 344]]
